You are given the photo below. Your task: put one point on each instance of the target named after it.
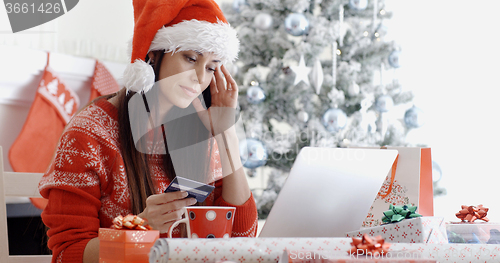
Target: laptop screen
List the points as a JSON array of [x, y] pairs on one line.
[[328, 192]]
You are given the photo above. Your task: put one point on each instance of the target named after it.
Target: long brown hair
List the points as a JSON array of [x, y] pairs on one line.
[[137, 167]]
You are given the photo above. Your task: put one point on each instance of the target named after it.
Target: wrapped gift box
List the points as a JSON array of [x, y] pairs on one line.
[[125, 245], [250, 249], [426, 229], [474, 233]]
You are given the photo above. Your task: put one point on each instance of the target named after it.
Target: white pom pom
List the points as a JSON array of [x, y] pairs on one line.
[[138, 76]]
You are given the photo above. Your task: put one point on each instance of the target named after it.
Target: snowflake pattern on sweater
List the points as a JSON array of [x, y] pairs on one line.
[[92, 122], [88, 166]]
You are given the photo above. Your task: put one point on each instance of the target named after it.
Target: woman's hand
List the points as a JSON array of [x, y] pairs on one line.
[[162, 210], [221, 114], [223, 94]]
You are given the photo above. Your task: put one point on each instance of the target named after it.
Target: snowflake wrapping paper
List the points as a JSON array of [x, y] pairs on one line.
[[271, 250], [426, 229], [329, 257]]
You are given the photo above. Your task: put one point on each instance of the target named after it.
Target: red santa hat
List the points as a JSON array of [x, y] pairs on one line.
[[173, 26]]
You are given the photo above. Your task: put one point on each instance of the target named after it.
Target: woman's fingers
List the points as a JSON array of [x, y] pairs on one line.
[[165, 197], [176, 205], [219, 79], [171, 216], [224, 89], [168, 219], [231, 83], [213, 86], [166, 213]]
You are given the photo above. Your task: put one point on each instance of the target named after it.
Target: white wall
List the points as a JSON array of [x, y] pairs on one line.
[[451, 54], [21, 71], [93, 28]]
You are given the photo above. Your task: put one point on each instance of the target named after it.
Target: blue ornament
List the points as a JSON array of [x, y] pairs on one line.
[[237, 5], [358, 5], [384, 103], [296, 24], [437, 174], [253, 153], [334, 120], [394, 59], [414, 117], [255, 95]]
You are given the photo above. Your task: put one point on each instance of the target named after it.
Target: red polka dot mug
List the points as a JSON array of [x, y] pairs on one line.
[[207, 221]]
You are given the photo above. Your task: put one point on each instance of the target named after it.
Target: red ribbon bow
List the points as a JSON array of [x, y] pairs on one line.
[[471, 213], [130, 222], [369, 245]]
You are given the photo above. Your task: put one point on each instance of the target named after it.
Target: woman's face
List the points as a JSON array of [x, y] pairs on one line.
[[185, 74]]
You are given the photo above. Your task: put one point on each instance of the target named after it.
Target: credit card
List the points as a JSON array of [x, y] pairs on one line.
[[196, 190]]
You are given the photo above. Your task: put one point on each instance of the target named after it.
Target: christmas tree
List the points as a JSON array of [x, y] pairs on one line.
[[307, 72]]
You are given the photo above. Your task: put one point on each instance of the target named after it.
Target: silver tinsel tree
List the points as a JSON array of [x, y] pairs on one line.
[[331, 100]]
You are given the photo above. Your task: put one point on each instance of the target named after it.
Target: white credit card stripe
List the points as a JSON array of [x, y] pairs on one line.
[[185, 188]]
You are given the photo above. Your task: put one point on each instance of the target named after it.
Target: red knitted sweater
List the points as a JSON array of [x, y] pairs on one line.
[[87, 186]]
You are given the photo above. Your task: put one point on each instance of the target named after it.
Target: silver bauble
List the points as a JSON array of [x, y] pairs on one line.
[[414, 118], [263, 21], [384, 103], [353, 89], [237, 4], [296, 24], [255, 95], [358, 5], [253, 153], [303, 116], [334, 120], [437, 174], [394, 59]]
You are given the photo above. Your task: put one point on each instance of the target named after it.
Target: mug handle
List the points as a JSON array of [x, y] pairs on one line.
[[185, 220]]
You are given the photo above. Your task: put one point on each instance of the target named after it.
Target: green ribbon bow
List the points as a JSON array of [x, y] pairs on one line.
[[396, 213]]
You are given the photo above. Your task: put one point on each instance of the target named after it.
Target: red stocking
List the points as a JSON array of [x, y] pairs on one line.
[[103, 82], [52, 108]]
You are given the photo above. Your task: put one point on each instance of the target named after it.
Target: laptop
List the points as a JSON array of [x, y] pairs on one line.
[[328, 192]]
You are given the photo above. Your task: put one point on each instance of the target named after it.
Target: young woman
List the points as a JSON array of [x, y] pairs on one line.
[[101, 169]]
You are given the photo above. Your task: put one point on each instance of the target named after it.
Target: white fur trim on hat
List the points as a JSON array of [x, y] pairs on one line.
[[138, 76], [219, 38]]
